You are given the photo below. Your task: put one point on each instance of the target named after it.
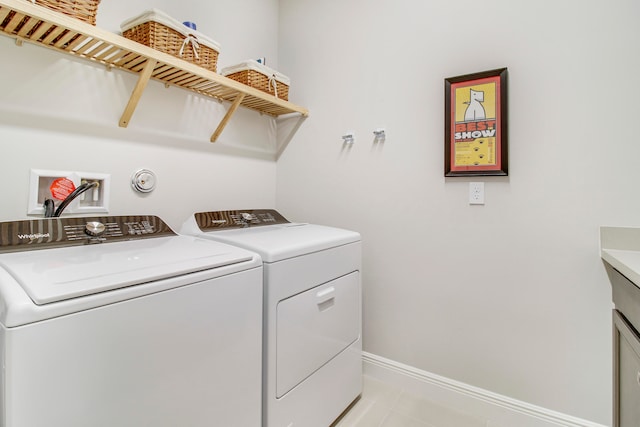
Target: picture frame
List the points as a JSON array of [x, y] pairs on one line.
[[475, 122]]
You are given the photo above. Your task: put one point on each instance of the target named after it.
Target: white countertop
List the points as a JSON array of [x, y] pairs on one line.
[[620, 247]]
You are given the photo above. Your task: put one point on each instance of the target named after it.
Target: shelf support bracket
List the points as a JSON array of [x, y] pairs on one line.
[[286, 131], [145, 75], [227, 117]]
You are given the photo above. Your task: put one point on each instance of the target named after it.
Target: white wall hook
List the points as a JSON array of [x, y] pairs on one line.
[[379, 134], [348, 138]]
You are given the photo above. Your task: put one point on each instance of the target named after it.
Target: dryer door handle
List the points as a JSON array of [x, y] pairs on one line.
[[326, 295]]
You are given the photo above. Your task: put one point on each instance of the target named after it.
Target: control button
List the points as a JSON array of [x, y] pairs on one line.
[[247, 216], [94, 228]]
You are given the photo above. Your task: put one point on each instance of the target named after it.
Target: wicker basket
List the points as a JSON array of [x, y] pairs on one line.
[[84, 10], [161, 32], [258, 76]]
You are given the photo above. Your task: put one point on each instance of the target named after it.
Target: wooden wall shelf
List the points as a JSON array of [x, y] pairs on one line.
[[26, 22]]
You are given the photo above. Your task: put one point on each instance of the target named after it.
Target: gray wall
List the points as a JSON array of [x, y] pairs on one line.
[[62, 114], [510, 296]]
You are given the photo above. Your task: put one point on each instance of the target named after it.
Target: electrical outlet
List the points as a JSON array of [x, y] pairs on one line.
[[476, 193], [95, 200]]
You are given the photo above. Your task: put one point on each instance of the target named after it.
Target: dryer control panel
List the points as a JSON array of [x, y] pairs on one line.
[[56, 232], [223, 220]]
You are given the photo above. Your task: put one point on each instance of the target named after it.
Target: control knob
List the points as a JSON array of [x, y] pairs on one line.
[[94, 228], [245, 219]]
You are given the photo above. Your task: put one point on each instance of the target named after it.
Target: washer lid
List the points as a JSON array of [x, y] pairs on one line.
[[277, 242], [58, 274]]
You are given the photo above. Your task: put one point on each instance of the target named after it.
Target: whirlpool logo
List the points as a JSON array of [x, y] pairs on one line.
[[33, 236]]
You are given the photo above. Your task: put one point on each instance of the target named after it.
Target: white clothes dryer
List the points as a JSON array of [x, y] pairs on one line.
[[312, 308], [118, 321]]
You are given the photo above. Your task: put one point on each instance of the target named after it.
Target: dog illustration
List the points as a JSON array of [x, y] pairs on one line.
[[475, 110]]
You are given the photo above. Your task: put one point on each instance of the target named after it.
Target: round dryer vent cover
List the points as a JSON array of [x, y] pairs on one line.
[[143, 181]]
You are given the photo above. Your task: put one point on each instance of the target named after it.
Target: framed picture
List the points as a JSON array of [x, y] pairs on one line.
[[475, 120]]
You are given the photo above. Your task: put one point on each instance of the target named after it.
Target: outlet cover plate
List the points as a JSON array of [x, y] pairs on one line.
[[476, 193]]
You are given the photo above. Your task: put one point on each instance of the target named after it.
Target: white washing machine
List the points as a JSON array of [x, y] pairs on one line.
[[312, 308], [118, 321]]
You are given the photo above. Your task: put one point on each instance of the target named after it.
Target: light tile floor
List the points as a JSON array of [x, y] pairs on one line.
[[383, 405]]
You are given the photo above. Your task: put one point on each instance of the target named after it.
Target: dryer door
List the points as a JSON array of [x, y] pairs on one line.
[[315, 326]]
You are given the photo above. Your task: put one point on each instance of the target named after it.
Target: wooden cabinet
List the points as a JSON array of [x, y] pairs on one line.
[[26, 22], [626, 362], [626, 346]]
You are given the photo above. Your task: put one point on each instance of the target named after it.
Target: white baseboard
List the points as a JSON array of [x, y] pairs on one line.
[[502, 411]]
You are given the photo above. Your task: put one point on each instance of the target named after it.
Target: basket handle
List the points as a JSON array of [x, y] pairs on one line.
[[194, 45], [272, 81]]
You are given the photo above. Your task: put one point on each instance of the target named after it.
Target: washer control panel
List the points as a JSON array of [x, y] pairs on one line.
[[55, 232], [222, 220]]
